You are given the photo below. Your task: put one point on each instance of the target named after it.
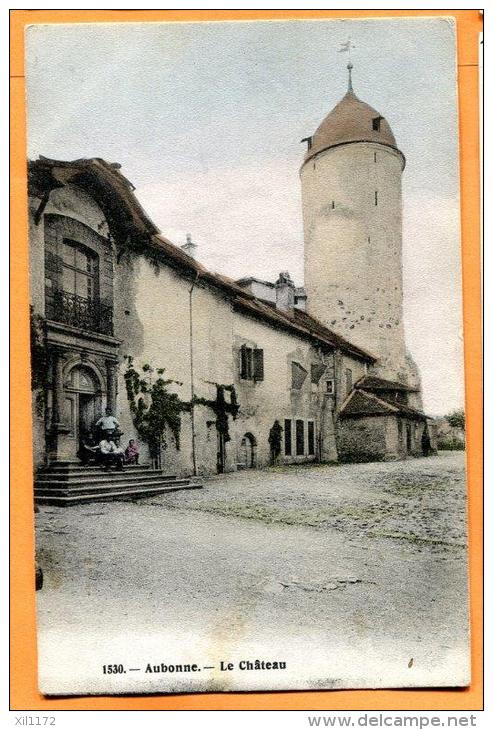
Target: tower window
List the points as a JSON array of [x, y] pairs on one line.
[[333, 204], [376, 123], [376, 197], [374, 157]]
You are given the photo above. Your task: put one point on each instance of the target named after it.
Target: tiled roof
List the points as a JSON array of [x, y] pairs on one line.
[[105, 183], [371, 382], [300, 323], [360, 403], [318, 329]]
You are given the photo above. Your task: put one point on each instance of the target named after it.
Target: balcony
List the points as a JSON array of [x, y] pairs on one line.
[[86, 314]]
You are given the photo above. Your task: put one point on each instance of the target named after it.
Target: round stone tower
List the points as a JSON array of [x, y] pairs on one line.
[[352, 217]]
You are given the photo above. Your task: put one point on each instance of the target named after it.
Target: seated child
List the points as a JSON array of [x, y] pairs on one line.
[[132, 452]]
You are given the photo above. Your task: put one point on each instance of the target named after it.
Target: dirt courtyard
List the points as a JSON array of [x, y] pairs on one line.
[[352, 575]]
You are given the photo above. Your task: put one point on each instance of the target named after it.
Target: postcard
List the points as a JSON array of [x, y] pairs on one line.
[[247, 356]]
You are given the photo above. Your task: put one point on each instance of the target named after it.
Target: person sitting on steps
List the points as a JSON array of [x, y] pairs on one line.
[[132, 452], [108, 453]]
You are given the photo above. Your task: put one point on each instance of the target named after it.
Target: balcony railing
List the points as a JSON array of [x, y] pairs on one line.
[[86, 314]]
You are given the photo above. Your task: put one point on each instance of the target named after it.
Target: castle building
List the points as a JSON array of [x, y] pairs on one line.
[[243, 374]]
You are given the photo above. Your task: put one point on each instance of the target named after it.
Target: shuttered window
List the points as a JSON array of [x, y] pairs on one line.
[[300, 438], [288, 449], [311, 438], [258, 364], [251, 363], [245, 362]]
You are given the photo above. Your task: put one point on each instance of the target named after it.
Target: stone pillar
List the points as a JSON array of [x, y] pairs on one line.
[[57, 420], [111, 385]]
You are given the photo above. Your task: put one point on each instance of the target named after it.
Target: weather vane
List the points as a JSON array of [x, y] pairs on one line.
[[346, 48]]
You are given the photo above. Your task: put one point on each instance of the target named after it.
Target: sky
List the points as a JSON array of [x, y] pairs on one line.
[[206, 120]]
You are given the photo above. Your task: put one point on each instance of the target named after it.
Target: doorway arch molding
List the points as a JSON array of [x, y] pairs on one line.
[[85, 364]]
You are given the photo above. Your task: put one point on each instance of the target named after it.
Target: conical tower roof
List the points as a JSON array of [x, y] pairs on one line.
[[351, 120]]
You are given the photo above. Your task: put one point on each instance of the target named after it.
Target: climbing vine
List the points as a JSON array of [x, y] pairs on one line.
[[222, 408], [154, 408], [39, 360]]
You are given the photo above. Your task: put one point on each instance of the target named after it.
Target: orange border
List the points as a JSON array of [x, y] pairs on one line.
[[24, 693]]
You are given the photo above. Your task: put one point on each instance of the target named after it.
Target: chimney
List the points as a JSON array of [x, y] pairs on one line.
[[285, 293], [189, 247]]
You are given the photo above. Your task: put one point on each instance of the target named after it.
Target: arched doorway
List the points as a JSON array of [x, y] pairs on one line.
[[83, 393], [248, 451]]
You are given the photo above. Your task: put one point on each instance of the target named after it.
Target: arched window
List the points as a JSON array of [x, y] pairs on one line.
[[79, 274]]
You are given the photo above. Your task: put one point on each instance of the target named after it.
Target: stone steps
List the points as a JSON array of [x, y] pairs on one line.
[[64, 484], [77, 468], [95, 477]]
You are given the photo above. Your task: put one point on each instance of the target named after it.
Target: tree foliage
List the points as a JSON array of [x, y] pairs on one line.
[[457, 419]]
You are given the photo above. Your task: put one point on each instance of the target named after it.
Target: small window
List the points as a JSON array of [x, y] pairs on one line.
[[376, 123], [246, 362], [349, 381], [374, 157], [376, 197], [300, 438], [333, 204], [311, 438], [287, 437], [330, 387]]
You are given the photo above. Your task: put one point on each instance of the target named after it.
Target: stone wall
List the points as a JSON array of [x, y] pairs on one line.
[[362, 439], [166, 321]]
